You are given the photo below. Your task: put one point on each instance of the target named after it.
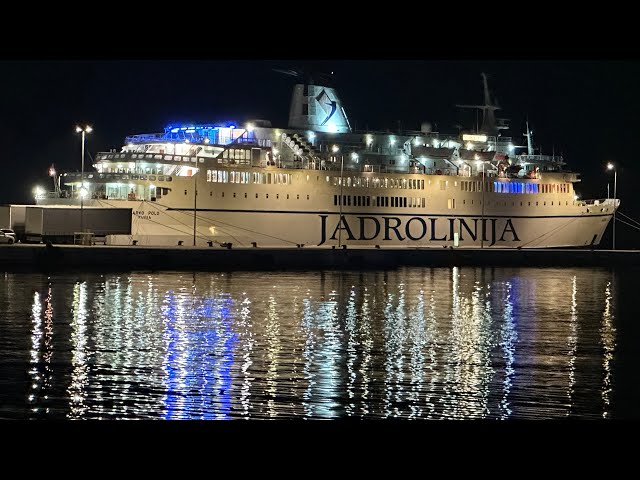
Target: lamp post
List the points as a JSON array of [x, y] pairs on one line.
[[611, 166], [195, 197], [83, 130], [335, 150], [482, 228]]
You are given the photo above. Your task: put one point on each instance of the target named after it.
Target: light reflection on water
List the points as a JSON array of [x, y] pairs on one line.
[[411, 343]]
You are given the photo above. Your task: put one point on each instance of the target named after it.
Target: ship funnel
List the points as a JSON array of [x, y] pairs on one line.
[[315, 107]]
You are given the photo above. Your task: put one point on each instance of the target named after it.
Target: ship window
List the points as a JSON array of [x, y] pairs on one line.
[[256, 195], [185, 192], [552, 204], [307, 197], [544, 203], [277, 196], [451, 203], [386, 201], [234, 195], [520, 203], [536, 204], [297, 197], [245, 195], [464, 202], [404, 201], [335, 200], [211, 194], [222, 194], [305, 109], [287, 196], [423, 201]]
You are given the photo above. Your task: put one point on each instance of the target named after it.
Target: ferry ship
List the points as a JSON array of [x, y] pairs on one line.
[[319, 183]]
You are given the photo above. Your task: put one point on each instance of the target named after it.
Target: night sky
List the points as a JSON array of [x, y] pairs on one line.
[[587, 110]]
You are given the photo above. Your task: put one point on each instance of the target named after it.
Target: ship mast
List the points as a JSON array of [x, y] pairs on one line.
[[529, 136], [489, 124]]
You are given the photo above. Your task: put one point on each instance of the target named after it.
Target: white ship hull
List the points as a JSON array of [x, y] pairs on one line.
[[153, 224]]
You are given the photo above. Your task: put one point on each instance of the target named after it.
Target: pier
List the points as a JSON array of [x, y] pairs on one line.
[[30, 257]]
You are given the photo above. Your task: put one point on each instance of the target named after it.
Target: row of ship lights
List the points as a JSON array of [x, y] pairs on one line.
[[39, 191]]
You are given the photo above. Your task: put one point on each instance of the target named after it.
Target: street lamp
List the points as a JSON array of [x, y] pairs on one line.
[[84, 130], [335, 149], [611, 166], [480, 163], [195, 197]]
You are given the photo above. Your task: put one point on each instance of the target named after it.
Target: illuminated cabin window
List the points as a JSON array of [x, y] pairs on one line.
[[451, 203], [516, 187]]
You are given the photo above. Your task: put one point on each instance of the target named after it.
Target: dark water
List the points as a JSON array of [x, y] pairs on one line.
[[411, 343]]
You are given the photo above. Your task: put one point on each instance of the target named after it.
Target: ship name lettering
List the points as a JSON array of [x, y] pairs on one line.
[[432, 229]]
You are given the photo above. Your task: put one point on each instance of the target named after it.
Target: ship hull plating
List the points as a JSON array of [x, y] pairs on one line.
[[153, 224]]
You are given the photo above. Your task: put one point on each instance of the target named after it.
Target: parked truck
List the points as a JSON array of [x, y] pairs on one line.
[[68, 224], [13, 217]]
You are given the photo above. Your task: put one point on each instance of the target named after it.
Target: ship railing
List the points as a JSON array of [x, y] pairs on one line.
[[541, 158], [598, 201], [145, 137], [148, 157], [154, 177]]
